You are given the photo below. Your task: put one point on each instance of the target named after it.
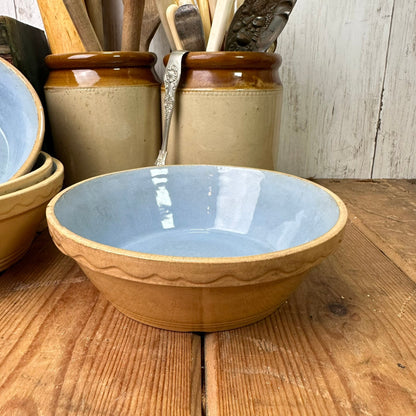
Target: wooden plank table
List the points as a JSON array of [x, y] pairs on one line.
[[343, 343]]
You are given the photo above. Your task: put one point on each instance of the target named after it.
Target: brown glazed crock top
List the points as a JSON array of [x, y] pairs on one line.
[[236, 70], [99, 69]]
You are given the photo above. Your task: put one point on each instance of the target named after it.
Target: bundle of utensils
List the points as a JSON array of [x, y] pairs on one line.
[[252, 25], [193, 25]]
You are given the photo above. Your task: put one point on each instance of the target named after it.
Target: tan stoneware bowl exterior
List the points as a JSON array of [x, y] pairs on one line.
[[21, 212], [227, 112], [104, 111], [36, 175], [193, 293]]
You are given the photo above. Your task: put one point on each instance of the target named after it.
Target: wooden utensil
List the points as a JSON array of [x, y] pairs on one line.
[[150, 23], [132, 23], [219, 24], [203, 7], [112, 19], [256, 29], [170, 17], [212, 4], [95, 13], [188, 25], [79, 15], [162, 6], [62, 35]]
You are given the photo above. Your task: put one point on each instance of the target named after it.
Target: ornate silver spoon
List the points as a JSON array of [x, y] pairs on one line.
[[171, 80]]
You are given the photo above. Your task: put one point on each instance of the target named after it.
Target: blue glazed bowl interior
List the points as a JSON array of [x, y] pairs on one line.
[[198, 211], [19, 123]]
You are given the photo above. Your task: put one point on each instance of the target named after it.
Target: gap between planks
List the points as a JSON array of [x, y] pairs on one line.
[[307, 356]]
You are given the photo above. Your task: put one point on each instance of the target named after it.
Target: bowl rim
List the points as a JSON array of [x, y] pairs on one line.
[[336, 229], [13, 185], [9, 202], [37, 143]]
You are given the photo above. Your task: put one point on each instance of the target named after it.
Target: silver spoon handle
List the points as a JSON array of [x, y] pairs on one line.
[[171, 81]]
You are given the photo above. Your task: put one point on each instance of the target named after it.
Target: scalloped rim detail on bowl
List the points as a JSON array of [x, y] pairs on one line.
[[106, 256], [13, 204]]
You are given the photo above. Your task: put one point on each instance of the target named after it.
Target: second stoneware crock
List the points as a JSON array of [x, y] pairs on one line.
[[227, 110]]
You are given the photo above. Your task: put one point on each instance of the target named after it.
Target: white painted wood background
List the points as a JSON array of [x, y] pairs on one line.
[[349, 76]]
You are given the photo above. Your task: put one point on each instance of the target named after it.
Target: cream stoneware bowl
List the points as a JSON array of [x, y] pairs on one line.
[[196, 248], [22, 123], [21, 212], [40, 171]]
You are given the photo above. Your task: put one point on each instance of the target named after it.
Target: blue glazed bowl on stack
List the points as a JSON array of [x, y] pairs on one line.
[[29, 178]]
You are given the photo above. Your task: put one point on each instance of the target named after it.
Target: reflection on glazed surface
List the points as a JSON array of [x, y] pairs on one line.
[[86, 77], [199, 211], [4, 153]]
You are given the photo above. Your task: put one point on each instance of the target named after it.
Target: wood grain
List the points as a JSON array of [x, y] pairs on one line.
[[112, 22], [95, 12], [151, 21], [132, 24], [61, 32], [64, 350], [395, 155], [342, 344], [385, 211], [81, 20]]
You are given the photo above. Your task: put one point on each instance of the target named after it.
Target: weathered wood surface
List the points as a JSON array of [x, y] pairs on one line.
[[334, 56], [26, 11], [344, 342], [385, 211], [395, 155], [64, 350]]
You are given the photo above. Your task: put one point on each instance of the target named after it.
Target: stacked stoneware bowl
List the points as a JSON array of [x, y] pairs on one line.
[[29, 178]]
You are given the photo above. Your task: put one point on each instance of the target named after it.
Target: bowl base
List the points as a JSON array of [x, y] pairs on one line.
[[198, 327], [14, 257]]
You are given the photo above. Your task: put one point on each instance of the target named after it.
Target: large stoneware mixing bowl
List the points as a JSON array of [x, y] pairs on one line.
[[196, 248]]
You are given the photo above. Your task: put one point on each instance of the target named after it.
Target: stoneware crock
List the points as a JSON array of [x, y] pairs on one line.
[[22, 123], [227, 110], [22, 211], [196, 248], [104, 111]]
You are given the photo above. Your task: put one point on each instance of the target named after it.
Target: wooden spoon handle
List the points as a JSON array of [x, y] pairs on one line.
[[212, 4], [203, 7], [62, 35], [132, 24], [95, 12], [219, 24], [79, 15], [170, 16], [151, 21], [162, 6]]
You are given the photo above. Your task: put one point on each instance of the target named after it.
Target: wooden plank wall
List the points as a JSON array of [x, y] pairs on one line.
[[348, 69]]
